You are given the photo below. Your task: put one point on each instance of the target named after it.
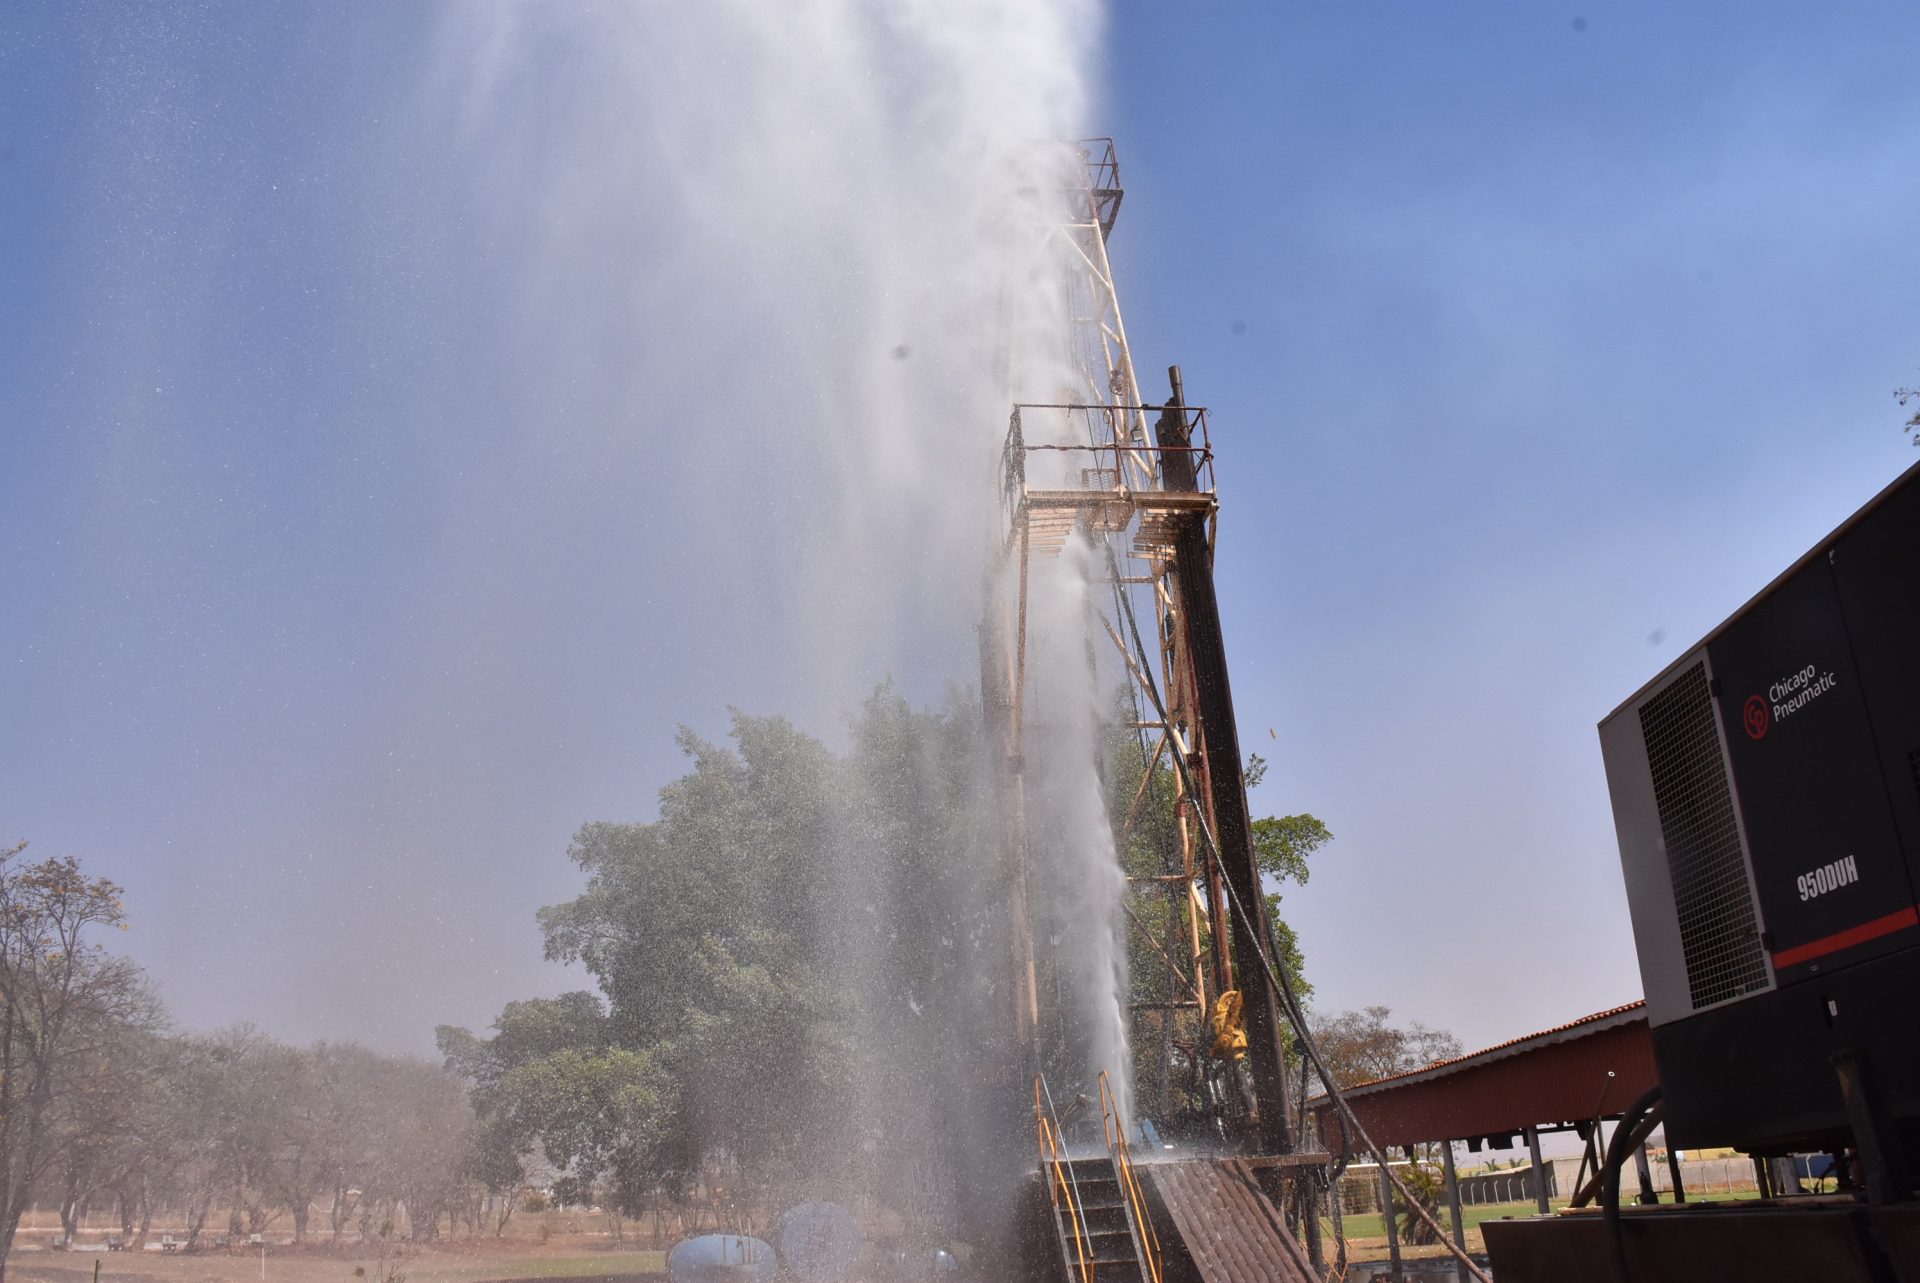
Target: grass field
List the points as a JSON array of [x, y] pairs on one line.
[[1368, 1234], [536, 1247], [616, 1263], [284, 1265]]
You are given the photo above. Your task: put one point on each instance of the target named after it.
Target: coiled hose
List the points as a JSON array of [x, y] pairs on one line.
[[1617, 1150]]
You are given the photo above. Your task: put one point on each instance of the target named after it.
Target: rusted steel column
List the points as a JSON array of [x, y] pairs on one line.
[[1199, 610]]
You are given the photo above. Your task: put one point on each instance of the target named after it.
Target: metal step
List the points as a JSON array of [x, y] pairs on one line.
[[1105, 1223]]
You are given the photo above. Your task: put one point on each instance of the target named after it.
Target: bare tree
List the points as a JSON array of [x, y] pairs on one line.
[[1360, 1046], [61, 1000], [94, 1135]]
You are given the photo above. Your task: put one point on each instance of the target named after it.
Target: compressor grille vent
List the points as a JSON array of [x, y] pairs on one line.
[[1718, 936]]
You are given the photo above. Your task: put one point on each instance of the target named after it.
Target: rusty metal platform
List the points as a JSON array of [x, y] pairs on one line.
[[1216, 1226]]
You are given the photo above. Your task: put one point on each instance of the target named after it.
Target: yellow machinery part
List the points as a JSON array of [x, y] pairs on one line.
[[1229, 1034]]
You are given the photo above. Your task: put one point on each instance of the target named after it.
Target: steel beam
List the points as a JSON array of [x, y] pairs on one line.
[[1219, 738]]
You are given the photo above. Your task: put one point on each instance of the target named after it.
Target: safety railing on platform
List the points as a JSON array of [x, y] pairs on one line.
[[1102, 165], [1062, 1187], [1122, 1153], [1110, 461]]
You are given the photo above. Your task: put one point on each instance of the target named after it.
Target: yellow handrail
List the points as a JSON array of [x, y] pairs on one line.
[[1116, 1130], [1050, 1160]]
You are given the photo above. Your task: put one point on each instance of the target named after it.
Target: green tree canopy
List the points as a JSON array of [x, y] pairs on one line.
[[788, 905]]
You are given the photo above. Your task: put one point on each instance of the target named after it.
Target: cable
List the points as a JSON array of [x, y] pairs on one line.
[[1623, 1143], [1290, 1004]]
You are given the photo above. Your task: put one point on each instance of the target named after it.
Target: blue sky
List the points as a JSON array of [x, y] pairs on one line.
[[1535, 346], [1537, 338]]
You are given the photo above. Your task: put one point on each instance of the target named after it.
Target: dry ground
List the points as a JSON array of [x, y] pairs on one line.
[[536, 1248]]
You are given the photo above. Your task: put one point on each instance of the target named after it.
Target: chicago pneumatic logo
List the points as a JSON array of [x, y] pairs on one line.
[[1785, 698]]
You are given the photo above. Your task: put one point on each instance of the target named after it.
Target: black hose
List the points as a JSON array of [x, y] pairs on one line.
[[1617, 1150]]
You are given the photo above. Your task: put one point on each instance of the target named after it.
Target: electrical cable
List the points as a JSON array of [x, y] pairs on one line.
[[1290, 1004], [1623, 1143]]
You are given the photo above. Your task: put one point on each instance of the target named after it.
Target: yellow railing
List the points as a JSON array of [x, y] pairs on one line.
[[1116, 1129], [1054, 1162]]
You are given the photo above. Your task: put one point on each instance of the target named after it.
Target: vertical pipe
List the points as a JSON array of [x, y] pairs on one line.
[[1643, 1167], [1386, 1215], [1539, 1172], [1027, 1017], [1001, 714], [1337, 1201], [1673, 1171], [1309, 1178], [1310, 1218], [1453, 1194], [1163, 1069]]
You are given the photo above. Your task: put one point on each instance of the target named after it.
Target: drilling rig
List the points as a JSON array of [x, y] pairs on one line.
[[1125, 488]]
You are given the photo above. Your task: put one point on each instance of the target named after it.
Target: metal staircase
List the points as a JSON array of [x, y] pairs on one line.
[[1099, 1211]]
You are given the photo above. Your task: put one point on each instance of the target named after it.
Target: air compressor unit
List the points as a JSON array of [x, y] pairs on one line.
[[1766, 796]]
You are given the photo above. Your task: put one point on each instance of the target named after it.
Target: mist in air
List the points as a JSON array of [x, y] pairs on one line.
[[453, 400]]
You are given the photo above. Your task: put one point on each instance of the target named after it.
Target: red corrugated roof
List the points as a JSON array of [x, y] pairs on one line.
[[1565, 1074], [1510, 1046]]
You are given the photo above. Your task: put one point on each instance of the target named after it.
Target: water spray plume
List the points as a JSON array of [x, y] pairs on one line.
[[845, 213]]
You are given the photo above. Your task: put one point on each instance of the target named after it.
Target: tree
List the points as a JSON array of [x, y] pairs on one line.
[[62, 1001], [712, 933], [423, 1125], [210, 1101], [1360, 1046], [95, 1133], [788, 907], [1282, 843], [600, 1117], [1281, 846], [498, 1073], [708, 931]]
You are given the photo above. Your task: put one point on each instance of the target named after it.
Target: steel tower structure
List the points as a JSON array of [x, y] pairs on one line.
[[1136, 482]]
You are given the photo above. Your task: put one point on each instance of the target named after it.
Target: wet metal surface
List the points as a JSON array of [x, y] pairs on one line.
[[1224, 1223]]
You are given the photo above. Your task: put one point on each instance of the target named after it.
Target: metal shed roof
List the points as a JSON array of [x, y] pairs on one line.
[[1545, 1079]]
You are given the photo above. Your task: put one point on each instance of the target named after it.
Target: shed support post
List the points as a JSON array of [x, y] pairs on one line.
[[1644, 1168], [1453, 1194], [1386, 1215], [1673, 1170], [1539, 1172]]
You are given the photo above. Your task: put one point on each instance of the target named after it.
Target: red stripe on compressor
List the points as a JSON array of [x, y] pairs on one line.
[[1907, 917]]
